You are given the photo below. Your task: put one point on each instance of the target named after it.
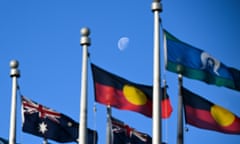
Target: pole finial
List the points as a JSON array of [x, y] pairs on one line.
[[85, 40], [13, 63], [85, 31], [14, 68], [156, 6]]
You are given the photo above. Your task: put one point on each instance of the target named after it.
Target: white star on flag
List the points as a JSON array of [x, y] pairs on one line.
[[43, 127]]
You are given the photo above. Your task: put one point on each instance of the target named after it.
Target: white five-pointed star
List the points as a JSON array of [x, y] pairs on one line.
[[42, 127]]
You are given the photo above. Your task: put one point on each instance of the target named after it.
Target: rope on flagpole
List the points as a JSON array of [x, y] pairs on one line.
[[165, 108], [94, 109], [165, 87], [94, 122]]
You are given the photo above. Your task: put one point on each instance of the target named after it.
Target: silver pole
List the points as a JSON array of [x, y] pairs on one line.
[[45, 141], [109, 125], [85, 42], [157, 121], [14, 74], [180, 112]]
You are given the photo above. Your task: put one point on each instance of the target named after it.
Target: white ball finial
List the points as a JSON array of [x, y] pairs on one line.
[[85, 40], [14, 72], [14, 64], [85, 31]]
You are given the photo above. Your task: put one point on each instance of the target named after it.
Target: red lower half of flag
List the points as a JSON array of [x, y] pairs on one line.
[[114, 97], [204, 119], [166, 108]]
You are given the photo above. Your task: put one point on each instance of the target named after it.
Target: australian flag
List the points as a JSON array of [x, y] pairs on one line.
[[123, 134], [44, 122], [3, 141]]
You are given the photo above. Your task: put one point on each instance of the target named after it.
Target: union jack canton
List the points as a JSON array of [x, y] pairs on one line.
[[31, 107]]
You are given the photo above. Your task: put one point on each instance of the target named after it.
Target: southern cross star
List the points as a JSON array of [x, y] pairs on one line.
[[42, 127]]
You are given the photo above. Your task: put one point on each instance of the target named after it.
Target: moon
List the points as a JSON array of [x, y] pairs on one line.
[[123, 43]]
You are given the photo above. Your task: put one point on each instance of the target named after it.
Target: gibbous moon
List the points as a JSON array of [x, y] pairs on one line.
[[123, 43]]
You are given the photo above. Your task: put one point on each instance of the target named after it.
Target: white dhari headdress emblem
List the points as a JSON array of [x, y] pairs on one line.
[[210, 63]]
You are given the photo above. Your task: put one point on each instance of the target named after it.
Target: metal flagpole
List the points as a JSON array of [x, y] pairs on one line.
[[109, 125], [85, 42], [157, 121], [180, 112], [14, 74], [45, 141]]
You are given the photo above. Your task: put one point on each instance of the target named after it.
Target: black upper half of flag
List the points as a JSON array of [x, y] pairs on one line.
[[109, 79], [236, 75], [190, 98]]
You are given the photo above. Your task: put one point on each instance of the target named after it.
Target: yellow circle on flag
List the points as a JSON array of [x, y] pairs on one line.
[[134, 95], [222, 116]]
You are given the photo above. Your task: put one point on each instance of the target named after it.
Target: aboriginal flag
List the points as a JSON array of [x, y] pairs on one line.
[[204, 114], [120, 93]]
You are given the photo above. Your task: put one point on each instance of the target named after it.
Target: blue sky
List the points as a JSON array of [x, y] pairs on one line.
[[44, 37]]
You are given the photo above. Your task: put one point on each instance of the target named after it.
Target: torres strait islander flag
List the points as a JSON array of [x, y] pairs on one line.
[[120, 93], [204, 114], [197, 64]]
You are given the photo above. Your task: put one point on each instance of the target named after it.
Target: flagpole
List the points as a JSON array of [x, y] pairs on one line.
[[45, 141], [109, 127], [14, 74], [157, 120], [180, 112], [85, 42]]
